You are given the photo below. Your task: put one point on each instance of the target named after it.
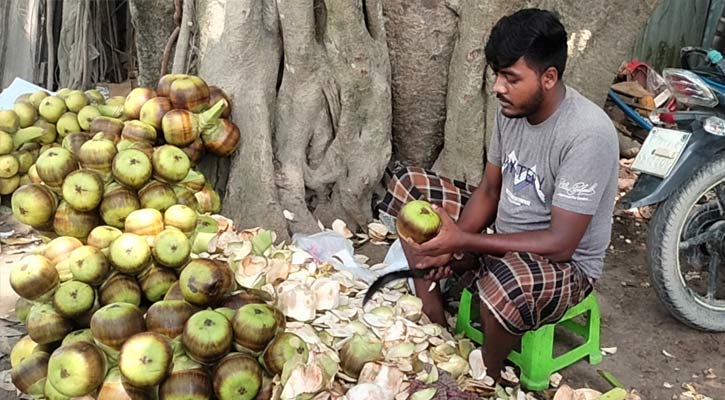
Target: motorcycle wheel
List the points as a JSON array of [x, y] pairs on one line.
[[686, 250]]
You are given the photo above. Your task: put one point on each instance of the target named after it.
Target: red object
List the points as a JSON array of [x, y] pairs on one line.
[[671, 104], [634, 64], [668, 118], [637, 71]]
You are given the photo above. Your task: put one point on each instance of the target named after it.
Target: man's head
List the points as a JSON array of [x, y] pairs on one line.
[[527, 51]]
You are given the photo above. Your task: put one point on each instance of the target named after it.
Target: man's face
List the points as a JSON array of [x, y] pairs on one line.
[[519, 90]]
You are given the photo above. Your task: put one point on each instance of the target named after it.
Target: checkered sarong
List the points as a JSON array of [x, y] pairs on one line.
[[412, 183], [523, 290]]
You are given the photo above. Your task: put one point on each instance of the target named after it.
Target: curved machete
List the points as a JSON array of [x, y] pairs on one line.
[[393, 276]]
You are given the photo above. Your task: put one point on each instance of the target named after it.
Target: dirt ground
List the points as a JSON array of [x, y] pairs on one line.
[[634, 321], [655, 354]]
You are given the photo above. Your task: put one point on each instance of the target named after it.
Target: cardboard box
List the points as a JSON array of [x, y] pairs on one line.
[[117, 89]]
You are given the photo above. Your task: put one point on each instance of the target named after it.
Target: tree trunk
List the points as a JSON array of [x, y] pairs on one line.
[[421, 36], [469, 103], [310, 84], [19, 34], [154, 22], [241, 49], [334, 115], [181, 54], [332, 108]]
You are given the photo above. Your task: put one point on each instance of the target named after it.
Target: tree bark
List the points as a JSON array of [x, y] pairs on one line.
[[241, 50], [421, 36], [72, 45], [464, 146], [601, 37], [334, 116], [332, 109], [470, 107], [154, 23], [311, 88], [182, 44]]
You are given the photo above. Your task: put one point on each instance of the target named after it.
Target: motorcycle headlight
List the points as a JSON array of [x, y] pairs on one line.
[[688, 88], [714, 125]]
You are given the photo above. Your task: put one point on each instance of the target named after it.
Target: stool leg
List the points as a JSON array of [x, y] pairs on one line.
[[464, 313], [594, 323], [464, 320], [536, 357]]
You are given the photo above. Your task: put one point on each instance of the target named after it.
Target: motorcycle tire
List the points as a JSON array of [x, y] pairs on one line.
[[663, 254]]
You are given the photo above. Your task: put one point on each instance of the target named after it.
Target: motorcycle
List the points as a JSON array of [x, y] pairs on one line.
[[681, 168]]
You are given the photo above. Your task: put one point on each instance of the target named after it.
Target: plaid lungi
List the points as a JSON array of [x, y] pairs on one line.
[[412, 183], [524, 291]]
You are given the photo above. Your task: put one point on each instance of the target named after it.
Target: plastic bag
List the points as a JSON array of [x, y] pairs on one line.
[[333, 248], [395, 258], [396, 261], [655, 82], [647, 77]]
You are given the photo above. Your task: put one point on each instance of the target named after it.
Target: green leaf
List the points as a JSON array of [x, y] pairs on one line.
[[610, 378], [614, 394], [261, 242]]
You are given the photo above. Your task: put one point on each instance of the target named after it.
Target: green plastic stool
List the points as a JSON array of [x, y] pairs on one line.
[[536, 359]]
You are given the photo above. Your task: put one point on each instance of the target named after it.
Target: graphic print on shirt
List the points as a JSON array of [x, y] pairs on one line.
[[580, 191], [522, 177]]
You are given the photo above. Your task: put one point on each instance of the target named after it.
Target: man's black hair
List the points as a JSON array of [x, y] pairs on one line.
[[536, 35]]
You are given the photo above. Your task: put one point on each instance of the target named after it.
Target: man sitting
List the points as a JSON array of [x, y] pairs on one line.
[[548, 190]]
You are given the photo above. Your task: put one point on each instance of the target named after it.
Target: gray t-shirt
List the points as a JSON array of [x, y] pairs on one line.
[[569, 161]]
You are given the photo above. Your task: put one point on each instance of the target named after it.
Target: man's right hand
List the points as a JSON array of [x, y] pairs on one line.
[[440, 270], [437, 261], [419, 261], [438, 273]]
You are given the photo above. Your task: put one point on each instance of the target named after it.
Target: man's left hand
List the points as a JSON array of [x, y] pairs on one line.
[[444, 242]]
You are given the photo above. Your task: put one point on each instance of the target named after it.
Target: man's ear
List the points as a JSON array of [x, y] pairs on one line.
[[549, 78]]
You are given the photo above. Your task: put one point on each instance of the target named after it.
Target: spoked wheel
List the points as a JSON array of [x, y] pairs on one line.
[[686, 248]]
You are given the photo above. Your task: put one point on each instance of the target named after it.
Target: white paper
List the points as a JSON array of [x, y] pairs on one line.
[[17, 87]]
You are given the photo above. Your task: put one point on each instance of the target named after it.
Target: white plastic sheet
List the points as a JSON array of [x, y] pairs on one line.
[[17, 87], [333, 248]]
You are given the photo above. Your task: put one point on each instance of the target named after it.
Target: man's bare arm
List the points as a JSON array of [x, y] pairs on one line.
[[480, 210], [556, 243]]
